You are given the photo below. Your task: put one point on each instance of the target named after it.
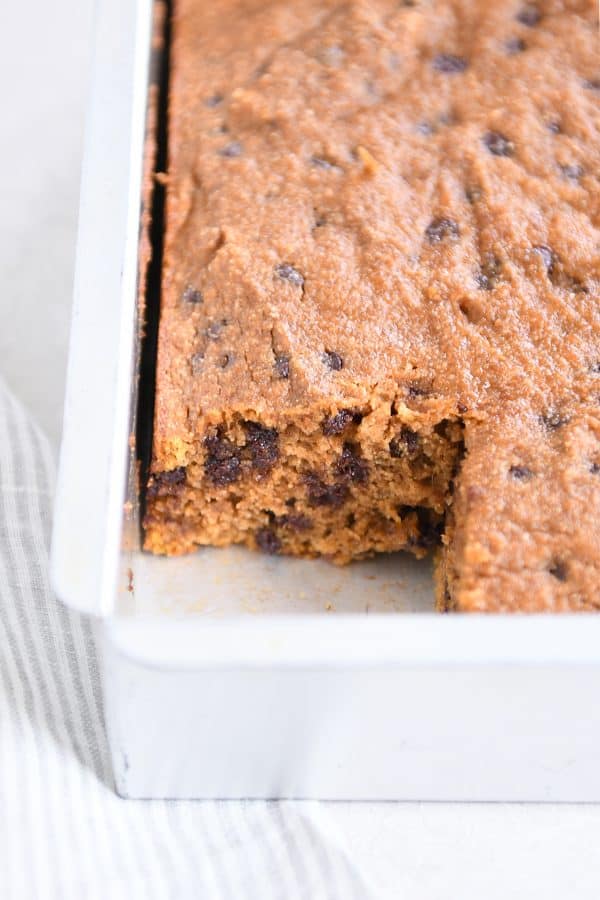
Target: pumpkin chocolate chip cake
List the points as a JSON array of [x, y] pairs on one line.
[[380, 323]]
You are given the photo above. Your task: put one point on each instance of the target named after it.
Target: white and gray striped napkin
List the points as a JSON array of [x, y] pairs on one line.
[[64, 833]]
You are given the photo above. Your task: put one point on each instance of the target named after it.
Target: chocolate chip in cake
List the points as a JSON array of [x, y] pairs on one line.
[[166, 483], [529, 15], [595, 468], [262, 444], [338, 423], [428, 525], [498, 144], [214, 329], [573, 171], [289, 273], [425, 128], [489, 274], [554, 126], [282, 366], [213, 100], [294, 522], [592, 84], [192, 295], [351, 466], [547, 256], [231, 150], [406, 443], [225, 360], [558, 570], [222, 464], [322, 494], [449, 63], [333, 360], [267, 541], [415, 390], [520, 473], [442, 229], [515, 45], [462, 408]]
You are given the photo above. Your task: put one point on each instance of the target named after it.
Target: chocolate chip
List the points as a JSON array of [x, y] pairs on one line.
[[289, 273], [322, 494], [573, 171], [214, 329], [262, 444], [351, 466], [222, 462], [520, 473], [515, 45], [529, 15], [595, 368], [282, 366], [231, 150], [440, 229], [406, 443], [224, 360], [489, 275], [498, 144], [449, 64], [553, 420], [554, 126], [294, 521], [429, 526], [166, 484], [267, 541], [592, 84], [462, 408], [191, 295], [425, 128], [214, 100], [559, 570], [340, 421], [415, 390], [595, 468], [333, 360], [547, 256]]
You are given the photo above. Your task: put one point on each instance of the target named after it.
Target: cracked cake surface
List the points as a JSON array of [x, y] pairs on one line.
[[380, 319]]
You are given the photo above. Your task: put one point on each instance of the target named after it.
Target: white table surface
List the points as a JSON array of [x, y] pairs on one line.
[[412, 850]]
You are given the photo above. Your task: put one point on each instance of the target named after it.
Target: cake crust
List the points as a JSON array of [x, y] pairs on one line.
[[380, 292]]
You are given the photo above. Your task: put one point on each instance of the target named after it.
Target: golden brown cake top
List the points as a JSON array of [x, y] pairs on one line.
[[377, 193]]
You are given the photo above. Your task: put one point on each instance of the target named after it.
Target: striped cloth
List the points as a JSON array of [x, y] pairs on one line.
[[63, 831]]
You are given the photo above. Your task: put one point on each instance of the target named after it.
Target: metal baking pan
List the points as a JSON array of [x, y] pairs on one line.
[[227, 674]]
